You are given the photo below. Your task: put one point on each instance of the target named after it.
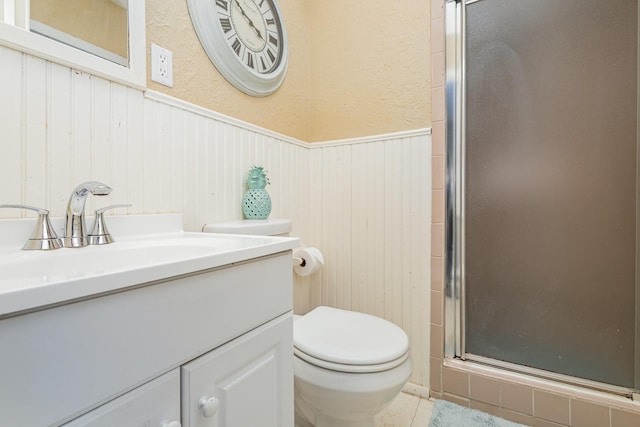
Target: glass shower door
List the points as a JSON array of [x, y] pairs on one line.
[[550, 185]]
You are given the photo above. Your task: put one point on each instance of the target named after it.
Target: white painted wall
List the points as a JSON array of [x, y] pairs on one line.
[[364, 202]]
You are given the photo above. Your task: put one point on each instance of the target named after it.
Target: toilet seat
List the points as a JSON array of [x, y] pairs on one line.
[[347, 341], [355, 369]]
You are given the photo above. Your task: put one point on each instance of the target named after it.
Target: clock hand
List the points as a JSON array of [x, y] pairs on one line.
[[251, 24]]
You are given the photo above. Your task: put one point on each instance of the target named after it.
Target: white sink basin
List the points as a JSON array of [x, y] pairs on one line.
[[33, 279]]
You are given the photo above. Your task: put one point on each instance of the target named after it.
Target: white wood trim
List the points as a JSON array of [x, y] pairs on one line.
[[48, 31], [202, 111], [15, 12], [187, 106], [7, 11], [22, 14], [372, 138]]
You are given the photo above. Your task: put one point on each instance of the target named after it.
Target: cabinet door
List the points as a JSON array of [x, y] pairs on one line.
[[149, 405], [245, 383]]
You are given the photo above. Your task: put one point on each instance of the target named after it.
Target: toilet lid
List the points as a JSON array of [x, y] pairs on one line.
[[342, 337]]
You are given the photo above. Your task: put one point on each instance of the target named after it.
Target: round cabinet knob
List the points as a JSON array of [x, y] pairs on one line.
[[170, 424], [208, 406]]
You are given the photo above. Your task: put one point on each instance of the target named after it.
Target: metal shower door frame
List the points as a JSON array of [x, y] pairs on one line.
[[454, 315], [454, 207]]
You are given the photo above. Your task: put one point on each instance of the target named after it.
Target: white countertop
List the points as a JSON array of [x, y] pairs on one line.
[[148, 248]]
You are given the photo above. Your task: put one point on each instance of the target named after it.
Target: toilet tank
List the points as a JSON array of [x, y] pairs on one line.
[[259, 227]]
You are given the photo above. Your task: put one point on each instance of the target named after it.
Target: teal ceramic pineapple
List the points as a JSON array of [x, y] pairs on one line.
[[256, 203]]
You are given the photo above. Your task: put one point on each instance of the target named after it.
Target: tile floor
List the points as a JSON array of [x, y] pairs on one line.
[[406, 411]]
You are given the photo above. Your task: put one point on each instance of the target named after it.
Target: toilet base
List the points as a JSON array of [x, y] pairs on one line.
[[325, 398], [325, 421]]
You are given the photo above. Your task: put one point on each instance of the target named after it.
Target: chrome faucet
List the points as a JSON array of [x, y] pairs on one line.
[[75, 230]]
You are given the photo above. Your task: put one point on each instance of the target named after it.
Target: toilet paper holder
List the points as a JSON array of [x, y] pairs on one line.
[[307, 261]]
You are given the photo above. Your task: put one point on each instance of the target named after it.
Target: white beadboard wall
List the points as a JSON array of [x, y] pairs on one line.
[[364, 202], [370, 216]]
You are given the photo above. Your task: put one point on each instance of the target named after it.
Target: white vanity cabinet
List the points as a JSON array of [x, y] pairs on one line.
[[156, 403], [242, 383], [146, 355]]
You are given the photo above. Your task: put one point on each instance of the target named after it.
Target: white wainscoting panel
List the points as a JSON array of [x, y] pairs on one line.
[[364, 202], [370, 215]]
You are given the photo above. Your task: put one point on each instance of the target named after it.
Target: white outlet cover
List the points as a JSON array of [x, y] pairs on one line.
[[161, 65]]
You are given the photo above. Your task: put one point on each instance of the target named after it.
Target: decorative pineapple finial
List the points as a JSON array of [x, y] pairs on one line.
[[257, 178]]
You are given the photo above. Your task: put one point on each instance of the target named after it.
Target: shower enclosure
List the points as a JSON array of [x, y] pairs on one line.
[[542, 189]]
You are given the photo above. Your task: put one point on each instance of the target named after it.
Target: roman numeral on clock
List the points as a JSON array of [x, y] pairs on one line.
[[271, 21], [250, 60], [236, 45], [267, 59], [273, 40], [226, 24], [223, 4]]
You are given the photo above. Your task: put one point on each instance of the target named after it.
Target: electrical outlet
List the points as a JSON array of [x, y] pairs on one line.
[[161, 65]]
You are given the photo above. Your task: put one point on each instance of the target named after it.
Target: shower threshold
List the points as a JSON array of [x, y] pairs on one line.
[[541, 376]]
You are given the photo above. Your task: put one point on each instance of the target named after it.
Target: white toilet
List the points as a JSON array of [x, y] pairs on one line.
[[348, 366]]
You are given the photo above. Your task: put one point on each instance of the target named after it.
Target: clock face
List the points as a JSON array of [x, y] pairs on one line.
[[253, 31], [247, 41]]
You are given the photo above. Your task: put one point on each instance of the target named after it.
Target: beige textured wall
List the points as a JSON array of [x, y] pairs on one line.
[[196, 80], [355, 68], [370, 67]]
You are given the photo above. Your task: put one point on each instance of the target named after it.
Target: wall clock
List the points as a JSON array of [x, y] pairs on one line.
[[245, 39]]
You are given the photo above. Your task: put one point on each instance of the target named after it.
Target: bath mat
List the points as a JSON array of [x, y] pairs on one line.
[[447, 414]]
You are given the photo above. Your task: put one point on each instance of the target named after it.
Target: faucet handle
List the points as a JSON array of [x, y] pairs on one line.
[[44, 236], [99, 235]]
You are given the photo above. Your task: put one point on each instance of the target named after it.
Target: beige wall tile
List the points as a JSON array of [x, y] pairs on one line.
[[437, 274], [437, 69], [586, 414], [516, 417], [437, 107], [437, 206], [435, 378], [437, 138], [624, 418], [437, 240], [517, 398], [437, 314], [437, 35], [456, 399], [483, 407], [437, 9], [538, 422], [455, 382], [436, 341], [485, 390], [551, 407], [437, 173]]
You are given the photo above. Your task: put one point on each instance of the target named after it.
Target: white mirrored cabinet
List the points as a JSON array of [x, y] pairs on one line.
[[102, 37]]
